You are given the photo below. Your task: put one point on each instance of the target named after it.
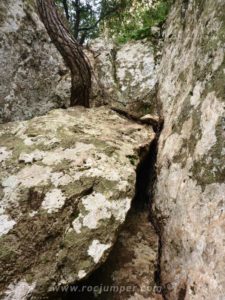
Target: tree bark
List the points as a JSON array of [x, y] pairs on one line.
[[70, 50]]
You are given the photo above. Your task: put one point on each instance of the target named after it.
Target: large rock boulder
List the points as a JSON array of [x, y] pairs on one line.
[[125, 75], [33, 78], [190, 195], [67, 181]]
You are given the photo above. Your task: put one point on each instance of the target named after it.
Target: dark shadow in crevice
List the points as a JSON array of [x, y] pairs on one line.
[[145, 178], [145, 193]]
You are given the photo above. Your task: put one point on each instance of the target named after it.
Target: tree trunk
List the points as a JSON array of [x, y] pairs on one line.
[[66, 9], [70, 50], [76, 6]]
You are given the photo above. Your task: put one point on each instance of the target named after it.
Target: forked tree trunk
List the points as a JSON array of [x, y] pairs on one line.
[[70, 50]]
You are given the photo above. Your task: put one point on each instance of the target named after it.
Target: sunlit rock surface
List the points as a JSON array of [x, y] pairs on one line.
[[67, 181], [190, 195]]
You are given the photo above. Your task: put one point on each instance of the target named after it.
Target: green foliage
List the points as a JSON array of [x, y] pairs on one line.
[[137, 24], [123, 20], [85, 16]]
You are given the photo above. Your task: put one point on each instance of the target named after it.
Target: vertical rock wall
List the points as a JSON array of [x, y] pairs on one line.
[[190, 193]]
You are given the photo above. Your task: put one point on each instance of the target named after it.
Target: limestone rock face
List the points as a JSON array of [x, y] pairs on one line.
[[67, 181], [190, 194], [125, 75], [33, 77]]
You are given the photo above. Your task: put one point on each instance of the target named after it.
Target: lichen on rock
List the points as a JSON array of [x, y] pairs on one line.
[[190, 190], [66, 187], [33, 77], [125, 76]]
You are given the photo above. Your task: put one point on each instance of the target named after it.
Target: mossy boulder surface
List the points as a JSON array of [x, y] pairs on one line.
[[67, 182]]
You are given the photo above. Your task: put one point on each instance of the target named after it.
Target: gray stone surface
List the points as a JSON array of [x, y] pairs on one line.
[[33, 77], [190, 194], [67, 181], [125, 76]]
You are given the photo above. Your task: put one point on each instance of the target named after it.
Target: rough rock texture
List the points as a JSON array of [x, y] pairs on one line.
[[67, 181], [125, 76], [190, 195], [33, 78]]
